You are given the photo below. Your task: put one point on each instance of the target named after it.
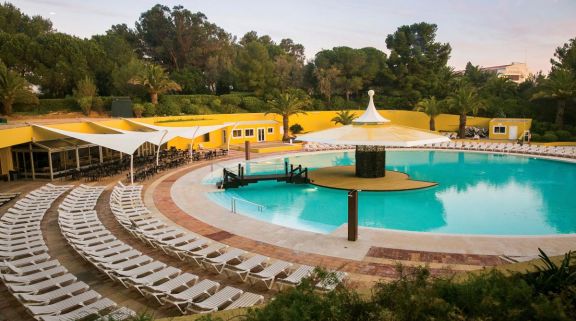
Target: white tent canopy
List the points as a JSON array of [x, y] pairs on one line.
[[371, 129], [183, 132], [126, 143]]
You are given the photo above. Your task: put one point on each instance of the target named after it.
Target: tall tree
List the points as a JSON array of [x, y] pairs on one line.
[[156, 81], [432, 108], [13, 89], [560, 86], [415, 60], [327, 81], [465, 100], [286, 104]]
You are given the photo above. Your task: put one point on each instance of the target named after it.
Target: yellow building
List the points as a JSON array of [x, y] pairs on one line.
[[35, 153], [509, 128]]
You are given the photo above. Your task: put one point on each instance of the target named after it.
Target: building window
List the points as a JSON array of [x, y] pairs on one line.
[[270, 130], [237, 133], [249, 132], [207, 137], [499, 129]]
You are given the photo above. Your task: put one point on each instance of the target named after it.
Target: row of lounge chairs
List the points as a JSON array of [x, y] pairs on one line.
[[131, 268], [7, 197], [128, 208], [45, 288], [498, 147]]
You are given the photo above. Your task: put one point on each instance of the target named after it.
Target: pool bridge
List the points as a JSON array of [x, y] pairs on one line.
[[291, 174]]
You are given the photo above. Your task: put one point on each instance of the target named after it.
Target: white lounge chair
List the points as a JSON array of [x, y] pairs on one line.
[[247, 299], [182, 299], [295, 277], [332, 281], [269, 273], [216, 301], [243, 268], [165, 274], [198, 255], [180, 283], [58, 307], [218, 262], [35, 288], [82, 312], [59, 293]]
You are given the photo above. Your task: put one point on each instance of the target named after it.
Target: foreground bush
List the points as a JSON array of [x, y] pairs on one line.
[[547, 294]]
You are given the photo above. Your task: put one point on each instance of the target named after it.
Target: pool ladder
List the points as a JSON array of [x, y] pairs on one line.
[[234, 205]]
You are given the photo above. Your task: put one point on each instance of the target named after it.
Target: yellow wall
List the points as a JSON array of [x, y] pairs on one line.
[[6, 160], [521, 124]]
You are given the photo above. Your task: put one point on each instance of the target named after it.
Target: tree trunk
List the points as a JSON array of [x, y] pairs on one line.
[[433, 123], [347, 95], [560, 113], [154, 98], [462, 127], [285, 137], [7, 106]]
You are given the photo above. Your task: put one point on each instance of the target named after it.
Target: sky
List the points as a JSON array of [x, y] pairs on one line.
[[484, 32]]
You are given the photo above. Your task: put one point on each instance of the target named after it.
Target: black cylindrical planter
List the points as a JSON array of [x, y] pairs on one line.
[[370, 161]]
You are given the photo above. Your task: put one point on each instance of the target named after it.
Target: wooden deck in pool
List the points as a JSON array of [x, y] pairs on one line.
[[342, 177]]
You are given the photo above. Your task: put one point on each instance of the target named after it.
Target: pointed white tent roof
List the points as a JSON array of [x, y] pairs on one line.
[[126, 143], [371, 129], [371, 115]]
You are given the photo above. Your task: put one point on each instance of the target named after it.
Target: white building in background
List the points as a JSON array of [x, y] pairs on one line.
[[517, 71]]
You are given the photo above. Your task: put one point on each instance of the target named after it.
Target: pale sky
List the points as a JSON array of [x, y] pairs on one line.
[[485, 32]]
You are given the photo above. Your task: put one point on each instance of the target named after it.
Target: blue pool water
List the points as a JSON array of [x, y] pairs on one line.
[[477, 193]]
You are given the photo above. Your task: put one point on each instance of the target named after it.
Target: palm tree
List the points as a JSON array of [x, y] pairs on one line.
[[13, 88], [286, 104], [156, 81], [432, 108], [560, 86], [344, 117], [465, 100]]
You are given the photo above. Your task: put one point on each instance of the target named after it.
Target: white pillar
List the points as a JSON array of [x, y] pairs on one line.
[[132, 169], [32, 163], [77, 158]]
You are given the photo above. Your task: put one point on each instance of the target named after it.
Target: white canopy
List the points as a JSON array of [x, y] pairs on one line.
[[184, 132], [371, 129], [126, 143]]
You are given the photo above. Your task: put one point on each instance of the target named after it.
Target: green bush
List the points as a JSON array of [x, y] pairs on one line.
[[563, 135], [296, 129], [215, 104], [149, 110], [98, 104], [85, 104], [138, 110], [536, 138], [231, 99], [168, 108], [253, 104], [550, 136]]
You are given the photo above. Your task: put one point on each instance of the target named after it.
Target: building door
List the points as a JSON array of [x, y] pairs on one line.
[[224, 138], [513, 132], [261, 134]]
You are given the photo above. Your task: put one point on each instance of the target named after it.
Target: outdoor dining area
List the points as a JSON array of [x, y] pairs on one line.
[[65, 155]]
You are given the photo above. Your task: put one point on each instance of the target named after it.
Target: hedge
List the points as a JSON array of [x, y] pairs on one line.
[[68, 104]]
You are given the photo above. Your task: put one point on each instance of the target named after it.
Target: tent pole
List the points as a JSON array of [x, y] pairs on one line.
[[132, 169], [160, 144], [100, 154], [50, 165], [32, 163]]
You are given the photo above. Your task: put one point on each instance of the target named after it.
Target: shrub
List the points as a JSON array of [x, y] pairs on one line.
[[98, 104], [549, 136], [215, 104], [149, 110], [563, 135], [253, 104], [296, 129], [536, 138], [231, 99], [85, 104], [138, 110], [168, 108]]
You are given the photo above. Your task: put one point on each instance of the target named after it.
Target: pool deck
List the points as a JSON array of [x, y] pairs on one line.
[[343, 177], [180, 197]]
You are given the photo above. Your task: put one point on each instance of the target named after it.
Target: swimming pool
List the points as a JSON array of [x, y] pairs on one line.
[[477, 193]]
